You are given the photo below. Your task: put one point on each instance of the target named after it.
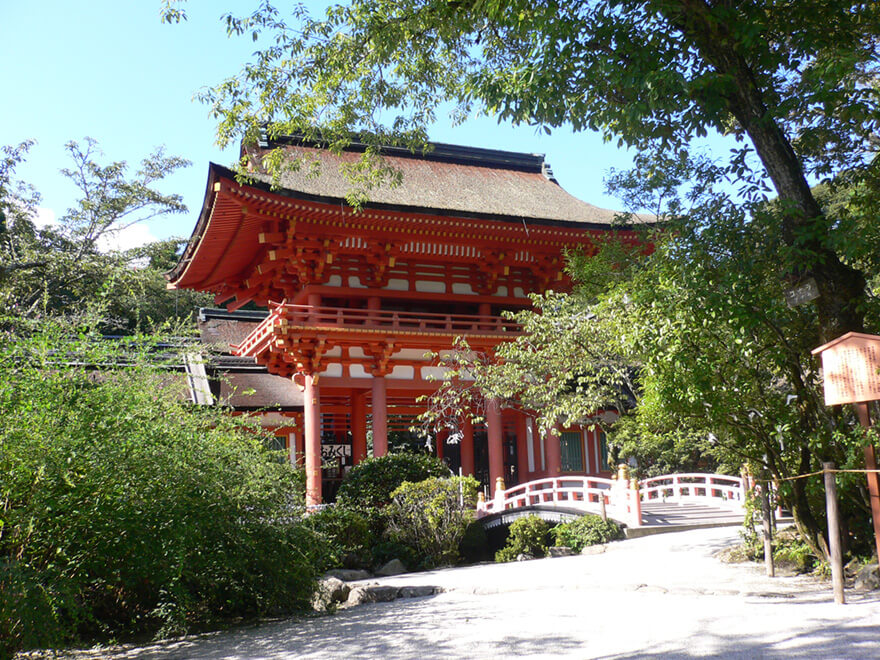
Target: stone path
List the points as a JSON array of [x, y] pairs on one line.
[[662, 596]]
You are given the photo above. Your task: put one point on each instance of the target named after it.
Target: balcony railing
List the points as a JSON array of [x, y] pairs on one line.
[[331, 319]]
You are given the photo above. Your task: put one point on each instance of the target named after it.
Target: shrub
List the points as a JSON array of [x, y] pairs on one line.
[[474, 545], [345, 536], [370, 483], [431, 516], [528, 536], [124, 510], [586, 530]]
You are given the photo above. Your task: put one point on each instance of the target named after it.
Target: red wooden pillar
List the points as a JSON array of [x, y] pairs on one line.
[[358, 426], [467, 447], [496, 448], [522, 449], [554, 452], [380, 416], [312, 441], [485, 311]]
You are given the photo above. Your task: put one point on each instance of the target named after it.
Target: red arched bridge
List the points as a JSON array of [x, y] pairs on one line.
[[665, 503]]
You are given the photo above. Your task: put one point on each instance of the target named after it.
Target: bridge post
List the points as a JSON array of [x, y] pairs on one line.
[[636, 510]]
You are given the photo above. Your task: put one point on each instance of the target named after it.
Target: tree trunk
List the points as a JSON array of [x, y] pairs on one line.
[[841, 288]]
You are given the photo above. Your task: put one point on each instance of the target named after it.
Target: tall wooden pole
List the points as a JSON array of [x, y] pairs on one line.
[[380, 416], [834, 533], [873, 478], [312, 440], [496, 448], [766, 513], [467, 446]]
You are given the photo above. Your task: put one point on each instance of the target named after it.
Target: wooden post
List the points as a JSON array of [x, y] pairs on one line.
[[380, 416], [312, 441], [358, 426], [873, 478], [874, 493], [467, 446], [496, 447], [768, 528], [554, 451], [834, 533]]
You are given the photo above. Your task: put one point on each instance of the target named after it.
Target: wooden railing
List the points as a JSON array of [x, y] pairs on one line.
[[621, 498], [329, 319], [567, 491], [717, 489]]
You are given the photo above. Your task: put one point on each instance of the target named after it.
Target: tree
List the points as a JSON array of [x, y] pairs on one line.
[[793, 82], [67, 267], [125, 510]]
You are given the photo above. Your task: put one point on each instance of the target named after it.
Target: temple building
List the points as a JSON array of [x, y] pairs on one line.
[[352, 299]]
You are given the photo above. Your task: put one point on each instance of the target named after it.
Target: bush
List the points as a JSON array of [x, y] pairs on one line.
[[345, 536], [431, 517], [586, 530], [370, 483], [474, 545], [124, 510], [528, 536]]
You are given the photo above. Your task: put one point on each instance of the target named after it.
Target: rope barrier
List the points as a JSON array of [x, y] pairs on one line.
[[813, 474]]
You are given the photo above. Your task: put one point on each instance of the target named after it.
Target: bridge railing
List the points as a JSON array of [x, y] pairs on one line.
[[572, 492], [622, 498], [569, 491], [716, 489]]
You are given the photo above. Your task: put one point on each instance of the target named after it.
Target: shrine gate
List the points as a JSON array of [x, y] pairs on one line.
[[356, 298]]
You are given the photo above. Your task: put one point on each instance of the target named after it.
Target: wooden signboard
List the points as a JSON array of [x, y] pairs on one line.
[[851, 363]]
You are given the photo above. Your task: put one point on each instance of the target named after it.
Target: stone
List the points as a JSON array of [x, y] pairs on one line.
[[417, 591], [597, 549], [330, 591], [348, 574], [559, 551], [868, 578], [372, 593], [393, 567], [852, 567], [524, 557]]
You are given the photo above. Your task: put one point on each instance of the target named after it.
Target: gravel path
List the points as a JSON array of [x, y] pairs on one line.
[[662, 596]]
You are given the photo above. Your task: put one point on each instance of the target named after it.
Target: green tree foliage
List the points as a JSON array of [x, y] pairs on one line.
[[371, 482], [432, 515], [70, 268], [346, 535], [704, 333], [794, 83], [123, 509], [528, 536], [586, 530]]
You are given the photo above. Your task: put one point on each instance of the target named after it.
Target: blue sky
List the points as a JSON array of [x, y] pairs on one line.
[[110, 70]]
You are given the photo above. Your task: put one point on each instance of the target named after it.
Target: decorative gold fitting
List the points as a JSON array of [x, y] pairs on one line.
[[499, 484]]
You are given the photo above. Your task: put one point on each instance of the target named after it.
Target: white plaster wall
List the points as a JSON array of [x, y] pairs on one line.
[[429, 286]]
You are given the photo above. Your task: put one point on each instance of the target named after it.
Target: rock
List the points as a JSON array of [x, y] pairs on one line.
[[418, 591], [852, 567], [597, 549], [393, 567], [868, 578], [559, 551], [523, 557], [372, 593], [330, 591], [348, 574]]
